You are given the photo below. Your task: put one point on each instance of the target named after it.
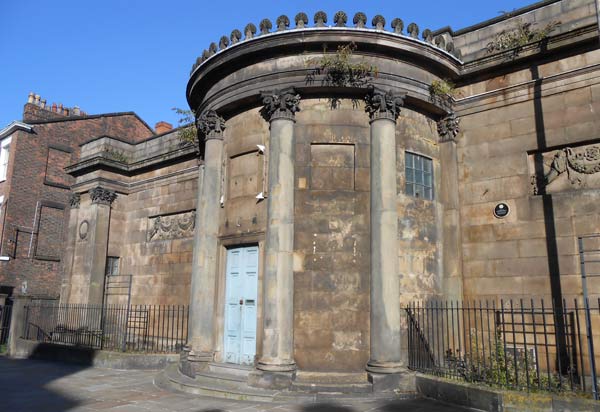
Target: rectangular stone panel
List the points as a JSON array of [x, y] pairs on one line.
[[332, 166], [172, 226]]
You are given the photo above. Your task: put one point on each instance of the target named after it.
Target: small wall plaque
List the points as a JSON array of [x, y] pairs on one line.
[[501, 210]]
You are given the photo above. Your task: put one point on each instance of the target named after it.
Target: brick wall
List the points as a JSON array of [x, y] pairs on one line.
[[37, 192]]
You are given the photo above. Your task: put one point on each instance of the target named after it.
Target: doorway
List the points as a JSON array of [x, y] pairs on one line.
[[241, 291]]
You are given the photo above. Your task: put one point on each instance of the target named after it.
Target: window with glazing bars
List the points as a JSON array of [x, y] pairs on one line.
[[419, 176]]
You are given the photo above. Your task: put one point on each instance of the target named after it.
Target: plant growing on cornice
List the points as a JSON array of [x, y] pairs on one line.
[[339, 71], [116, 155], [443, 92], [187, 133], [522, 35]]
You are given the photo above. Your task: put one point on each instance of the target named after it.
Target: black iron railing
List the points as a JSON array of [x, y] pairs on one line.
[[517, 345], [127, 328], [5, 314]]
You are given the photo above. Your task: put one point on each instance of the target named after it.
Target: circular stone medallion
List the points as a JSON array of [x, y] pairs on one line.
[[501, 210]]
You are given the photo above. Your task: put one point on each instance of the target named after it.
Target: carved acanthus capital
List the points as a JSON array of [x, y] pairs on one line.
[[210, 125], [102, 196], [383, 105], [449, 127], [280, 104], [75, 200]]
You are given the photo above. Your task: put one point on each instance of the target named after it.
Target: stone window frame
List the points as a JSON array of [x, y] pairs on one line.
[[4, 157], [418, 174]]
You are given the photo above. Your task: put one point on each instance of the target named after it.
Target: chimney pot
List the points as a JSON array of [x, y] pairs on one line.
[[37, 99], [76, 111], [54, 107], [31, 97], [43, 104], [162, 127]]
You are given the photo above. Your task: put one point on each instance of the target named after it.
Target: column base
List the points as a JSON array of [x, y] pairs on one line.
[[190, 362], [385, 367], [286, 365], [271, 380], [400, 381]]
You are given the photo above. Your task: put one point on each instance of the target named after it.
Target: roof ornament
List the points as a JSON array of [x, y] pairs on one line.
[[250, 30], [378, 22], [413, 30], [360, 20], [301, 20], [440, 42], [428, 36], [320, 19], [340, 19], [283, 22], [212, 49], [265, 26], [223, 43], [235, 36], [397, 25]]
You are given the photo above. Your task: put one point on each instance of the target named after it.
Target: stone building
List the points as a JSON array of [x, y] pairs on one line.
[[35, 189], [297, 231]]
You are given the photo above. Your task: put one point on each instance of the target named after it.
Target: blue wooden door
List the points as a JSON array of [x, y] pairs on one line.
[[240, 305]]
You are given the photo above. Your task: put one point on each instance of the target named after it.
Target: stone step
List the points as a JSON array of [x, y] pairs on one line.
[[312, 387]]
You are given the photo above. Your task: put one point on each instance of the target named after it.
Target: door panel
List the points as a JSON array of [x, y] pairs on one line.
[[241, 291]]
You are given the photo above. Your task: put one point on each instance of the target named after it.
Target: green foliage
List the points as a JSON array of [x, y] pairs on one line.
[[522, 35], [443, 92], [339, 70], [187, 133], [116, 155], [502, 368]]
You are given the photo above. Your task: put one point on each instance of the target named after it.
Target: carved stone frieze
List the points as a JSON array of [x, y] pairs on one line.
[[565, 169], [449, 127], [280, 104], [380, 104], [102, 196], [175, 226], [75, 200], [210, 125]]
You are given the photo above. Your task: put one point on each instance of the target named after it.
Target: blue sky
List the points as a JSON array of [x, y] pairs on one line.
[[133, 55]]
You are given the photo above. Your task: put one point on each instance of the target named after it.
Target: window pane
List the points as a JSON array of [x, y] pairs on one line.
[[409, 189], [427, 180], [409, 159], [419, 177], [410, 175], [427, 164], [418, 163], [427, 193], [418, 191]]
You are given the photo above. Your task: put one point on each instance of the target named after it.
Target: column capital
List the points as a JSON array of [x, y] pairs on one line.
[[210, 125], [280, 104], [75, 200], [380, 104], [448, 127], [102, 196]]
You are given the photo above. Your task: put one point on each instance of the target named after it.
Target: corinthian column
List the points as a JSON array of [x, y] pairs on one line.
[[201, 341], [278, 284], [102, 200], [383, 109]]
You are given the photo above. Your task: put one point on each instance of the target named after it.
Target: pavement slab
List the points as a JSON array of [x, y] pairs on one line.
[[40, 386]]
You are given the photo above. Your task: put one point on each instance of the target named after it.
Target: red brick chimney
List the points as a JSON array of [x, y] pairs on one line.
[[162, 127]]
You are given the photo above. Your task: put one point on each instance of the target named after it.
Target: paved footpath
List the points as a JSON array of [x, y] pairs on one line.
[[37, 386]]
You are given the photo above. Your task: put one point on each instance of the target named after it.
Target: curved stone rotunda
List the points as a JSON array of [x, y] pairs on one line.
[[324, 205]]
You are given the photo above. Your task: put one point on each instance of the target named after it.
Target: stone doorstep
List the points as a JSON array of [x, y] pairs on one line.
[[213, 383]]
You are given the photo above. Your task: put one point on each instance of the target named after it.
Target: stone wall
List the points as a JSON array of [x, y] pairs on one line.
[[513, 128]]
